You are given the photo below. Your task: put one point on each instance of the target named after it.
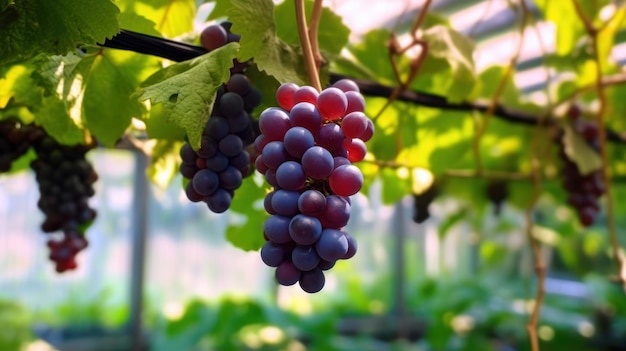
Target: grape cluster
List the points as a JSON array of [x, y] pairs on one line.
[[306, 150], [218, 167], [15, 140], [65, 179], [422, 201], [584, 190], [497, 192]]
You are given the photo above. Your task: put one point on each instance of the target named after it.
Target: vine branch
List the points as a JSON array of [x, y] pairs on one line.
[[178, 51], [618, 255], [316, 16], [305, 43]]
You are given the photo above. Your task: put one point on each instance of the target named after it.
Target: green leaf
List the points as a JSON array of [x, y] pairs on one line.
[[248, 235], [107, 104], [16, 85], [54, 116], [138, 23], [220, 9], [577, 150], [54, 72], [449, 52], [254, 21], [187, 90], [332, 33], [172, 17], [159, 127], [54, 27], [395, 185], [165, 161], [368, 54]]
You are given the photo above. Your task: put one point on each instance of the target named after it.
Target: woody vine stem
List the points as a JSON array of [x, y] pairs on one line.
[[307, 37]]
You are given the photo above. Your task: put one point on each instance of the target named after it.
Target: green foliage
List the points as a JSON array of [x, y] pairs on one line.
[[254, 21], [15, 322], [30, 27], [187, 90]]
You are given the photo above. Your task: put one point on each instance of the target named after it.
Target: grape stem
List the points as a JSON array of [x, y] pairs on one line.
[[305, 43], [313, 29], [618, 254]]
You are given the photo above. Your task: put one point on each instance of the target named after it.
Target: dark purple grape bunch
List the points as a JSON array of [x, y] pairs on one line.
[[497, 193], [583, 191], [306, 151], [16, 138], [215, 36], [66, 180], [221, 163], [422, 202]]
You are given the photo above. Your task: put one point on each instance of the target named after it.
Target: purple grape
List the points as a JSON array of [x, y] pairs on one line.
[[305, 230], [272, 254], [332, 245], [298, 140], [317, 162], [305, 258], [312, 281], [312, 203], [290, 176], [205, 182], [276, 228], [287, 274], [285, 202]]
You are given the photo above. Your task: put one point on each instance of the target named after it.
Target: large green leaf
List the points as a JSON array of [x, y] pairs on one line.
[[30, 27], [164, 162], [187, 90], [254, 21], [579, 151], [569, 28], [247, 234]]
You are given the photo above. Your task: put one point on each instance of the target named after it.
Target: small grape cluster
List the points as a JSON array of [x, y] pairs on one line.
[[16, 139], [218, 167], [215, 36], [422, 202], [306, 150], [584, 190], [65, 179]]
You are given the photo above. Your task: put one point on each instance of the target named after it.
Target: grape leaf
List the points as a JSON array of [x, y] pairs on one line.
[[16, 85], [54, 27], [159, 127], [569, 28], [56, 118], [332, 33], [164, 162], [187, 90], [249, 234], [451, 49], [171, 17], [254, 21], [577, 150]]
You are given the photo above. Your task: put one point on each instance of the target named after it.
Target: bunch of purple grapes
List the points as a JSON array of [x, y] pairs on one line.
[[584, 190], [65, 179], [16, 138], [218, 167], [306, 151]]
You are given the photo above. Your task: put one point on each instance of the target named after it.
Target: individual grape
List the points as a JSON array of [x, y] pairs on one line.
[[305, 230], [337, 212], [274, 123], [305, 93], [352, 246], [346, 180], [272, 254], [317, 162], [312, 281], [274, 154], [354, 124], [305, 258], [231, 145], [356, 102], [298, 140], [205, 182], [287, 274], [285, 202], [217, 128], [332, 104], [330, 137], [326, 265], [219, 201], [260, 165], [240, 161], [369, 131], [276, 228], [340, 161], [231, 105], [267, 203], [217, 163], [312, 203], [306, 115], [260, 142], [240, 125], [270, 177], [187, 154], [252, 99], [346, 85], [332, 245], [213, 37], [238, 84], [290, 175], [192, 194], [285, 95], [230, 178], [188, 170], [356, 149]]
